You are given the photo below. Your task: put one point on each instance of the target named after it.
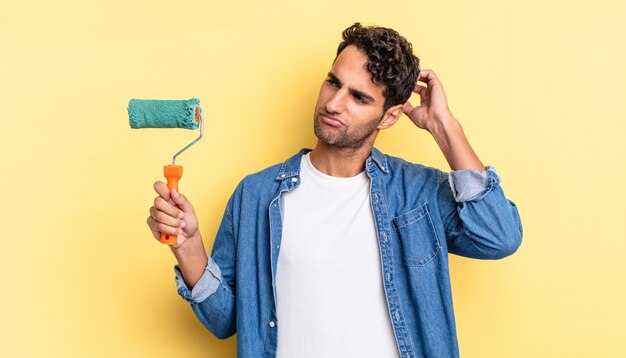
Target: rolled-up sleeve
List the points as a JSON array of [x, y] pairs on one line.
[[479, 221], [206, 285], [469, 184]]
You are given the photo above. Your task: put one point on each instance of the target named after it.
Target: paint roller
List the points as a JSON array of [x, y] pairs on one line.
[[150, 113]]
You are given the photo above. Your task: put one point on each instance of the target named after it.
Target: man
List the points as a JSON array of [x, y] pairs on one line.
[[342, 251]]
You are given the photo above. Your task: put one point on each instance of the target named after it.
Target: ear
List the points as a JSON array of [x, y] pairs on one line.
[[390, 117]]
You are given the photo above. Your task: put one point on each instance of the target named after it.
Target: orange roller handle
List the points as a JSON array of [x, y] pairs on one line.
[[172, 173]]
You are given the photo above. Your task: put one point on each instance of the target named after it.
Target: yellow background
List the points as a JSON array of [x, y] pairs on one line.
[[539, 87]]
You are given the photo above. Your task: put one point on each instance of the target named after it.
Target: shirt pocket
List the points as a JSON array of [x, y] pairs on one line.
[[418, 238]]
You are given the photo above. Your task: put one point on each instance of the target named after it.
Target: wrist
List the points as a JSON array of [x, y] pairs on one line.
[[441, 125]]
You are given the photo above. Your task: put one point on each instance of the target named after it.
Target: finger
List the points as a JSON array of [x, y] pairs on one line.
[[423, 92], [419, 88], [407, 108], [164, 218], [173, 231], [427, 76], [158, 228], [162, 190], [167, 207], [182, 201], [152, 224]]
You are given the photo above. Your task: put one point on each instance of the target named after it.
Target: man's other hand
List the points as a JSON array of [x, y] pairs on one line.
[[433, 108]]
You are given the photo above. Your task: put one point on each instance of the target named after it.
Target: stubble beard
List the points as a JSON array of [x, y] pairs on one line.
[[343, 138]]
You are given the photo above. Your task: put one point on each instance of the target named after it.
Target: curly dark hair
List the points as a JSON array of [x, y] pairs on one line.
[[390, 60]]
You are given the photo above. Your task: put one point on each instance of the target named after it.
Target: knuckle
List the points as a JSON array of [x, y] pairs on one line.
[[153, 225], [159, 202]]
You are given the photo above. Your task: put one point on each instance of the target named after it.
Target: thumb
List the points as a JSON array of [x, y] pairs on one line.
[[181, 201]]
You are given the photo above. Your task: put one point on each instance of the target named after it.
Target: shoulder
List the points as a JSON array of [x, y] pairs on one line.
[[401, 168], [261, 177], [270, 178], [253, 189], [408, 185]]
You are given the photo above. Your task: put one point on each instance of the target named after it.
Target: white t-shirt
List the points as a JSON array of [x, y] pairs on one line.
[[331, 300]]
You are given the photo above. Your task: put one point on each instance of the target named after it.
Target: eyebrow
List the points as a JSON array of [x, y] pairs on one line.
[[355, 92]]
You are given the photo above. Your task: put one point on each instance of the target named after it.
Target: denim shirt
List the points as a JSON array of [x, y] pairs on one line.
[[420, 217]]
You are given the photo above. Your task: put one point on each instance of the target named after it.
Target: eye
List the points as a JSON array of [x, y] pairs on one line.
[[332, 82], [359, 98]]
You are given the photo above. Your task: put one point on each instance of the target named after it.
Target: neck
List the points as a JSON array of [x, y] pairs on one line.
[[339, 162]]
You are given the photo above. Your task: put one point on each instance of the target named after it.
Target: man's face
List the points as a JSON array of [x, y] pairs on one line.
[[350, 106]]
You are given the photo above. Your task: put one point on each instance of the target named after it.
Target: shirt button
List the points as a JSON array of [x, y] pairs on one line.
[[384, 236], [294, 179], [272, 324], [282, 175]]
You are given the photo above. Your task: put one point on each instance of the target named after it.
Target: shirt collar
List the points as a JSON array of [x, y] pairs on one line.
[[291, 167], [379, 158]]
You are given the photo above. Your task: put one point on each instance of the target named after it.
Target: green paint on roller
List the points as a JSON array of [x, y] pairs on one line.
[[152, 113]]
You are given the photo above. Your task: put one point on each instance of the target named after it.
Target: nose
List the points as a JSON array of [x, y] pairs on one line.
[[336, 102]]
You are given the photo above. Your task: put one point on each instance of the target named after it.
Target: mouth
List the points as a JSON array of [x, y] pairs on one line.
[[330, 120]]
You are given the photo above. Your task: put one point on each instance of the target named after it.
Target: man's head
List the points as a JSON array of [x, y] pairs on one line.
[[390, 60], [371, 78]]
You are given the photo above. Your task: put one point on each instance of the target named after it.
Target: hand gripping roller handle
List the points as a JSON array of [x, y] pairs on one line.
[[151, 113], [174, 172]]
